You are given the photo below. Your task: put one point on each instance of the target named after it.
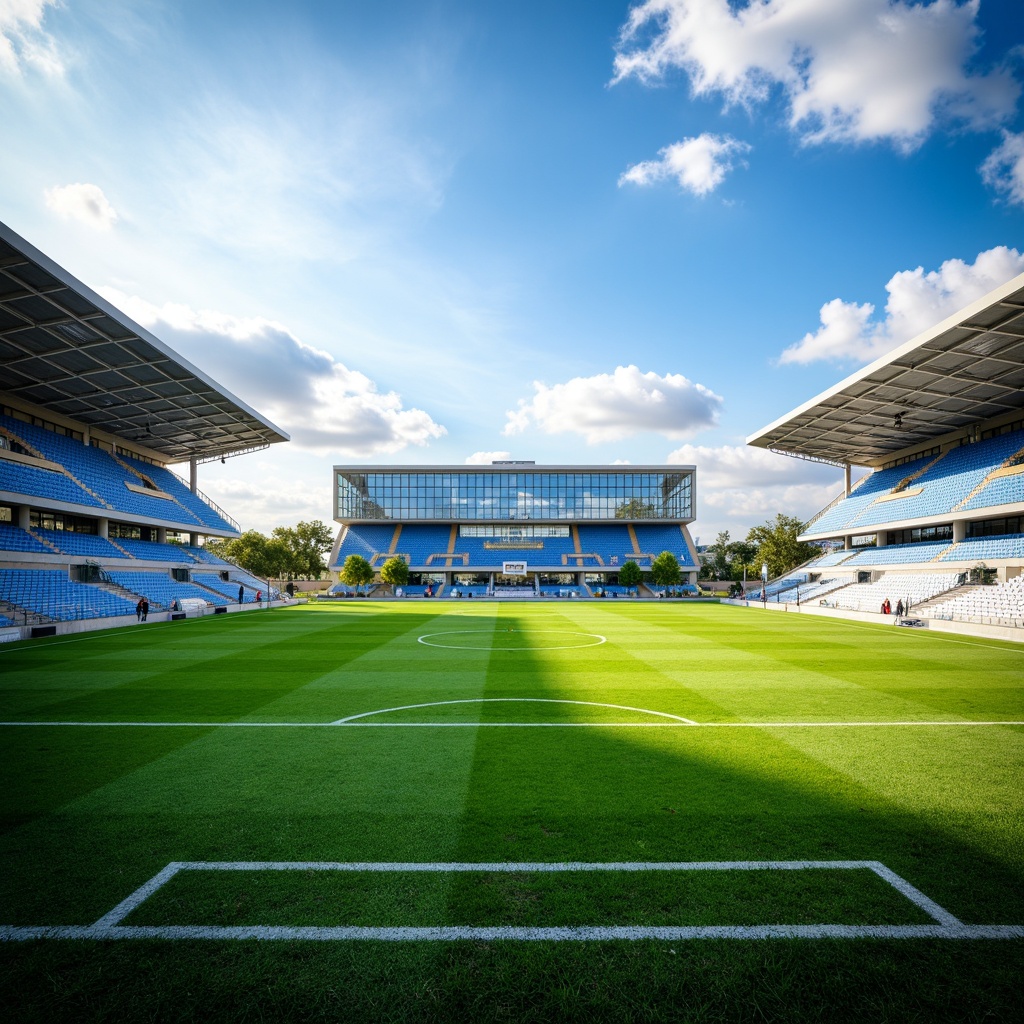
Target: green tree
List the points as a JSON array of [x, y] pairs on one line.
[[743, 555], [630, 574], [263, 557], [356, 572], [635, 509], [777, 545], [665, 569], [307, 544], [715, 560], [395, 572]]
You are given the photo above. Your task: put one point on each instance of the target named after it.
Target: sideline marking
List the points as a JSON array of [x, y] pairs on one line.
[[874, 627], [497, 632], [506, 725], [109, 926], [513, 700]]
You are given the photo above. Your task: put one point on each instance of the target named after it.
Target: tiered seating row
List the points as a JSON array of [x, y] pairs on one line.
[[820, 588], [226, 588], [977, 549], [105, 477], [882, 481], [898, 554], [943, 487], [84, 545], [161, 590], [419, 542], [14, 539], [169, 482], [49, 592], [152, 551], [366, 540], [202, 555], [1002, 604], [1004, 490], [832, 559], [49, 484], [910, 588]]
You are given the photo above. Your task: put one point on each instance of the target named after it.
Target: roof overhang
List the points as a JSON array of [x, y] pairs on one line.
[[965, 371], [66, 349]]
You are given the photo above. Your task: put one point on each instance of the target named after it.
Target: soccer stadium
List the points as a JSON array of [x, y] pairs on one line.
[[558, 800], [940, 421], [515, 529], [94, 409]]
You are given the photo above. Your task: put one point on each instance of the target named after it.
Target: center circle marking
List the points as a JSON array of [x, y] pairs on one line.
[[427, 639]]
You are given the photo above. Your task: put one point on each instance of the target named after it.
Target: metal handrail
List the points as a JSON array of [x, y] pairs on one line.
[[208, 500], [835, 501]]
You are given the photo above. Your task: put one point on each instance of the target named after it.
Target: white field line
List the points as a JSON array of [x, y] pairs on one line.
[[632, 933], [108, 927], [514, 700], [427, 637], [873, 627], [125, 907], [681, 723]]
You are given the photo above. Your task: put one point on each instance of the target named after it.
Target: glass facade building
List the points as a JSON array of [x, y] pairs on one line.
[[514, 492]]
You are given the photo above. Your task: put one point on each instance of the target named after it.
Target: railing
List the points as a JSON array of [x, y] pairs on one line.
[[208, 500], [835, 501]]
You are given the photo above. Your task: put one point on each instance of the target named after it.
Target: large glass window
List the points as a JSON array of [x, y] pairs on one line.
[[514, 496]]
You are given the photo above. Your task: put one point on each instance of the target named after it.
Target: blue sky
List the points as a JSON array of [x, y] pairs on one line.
[[566, 231]]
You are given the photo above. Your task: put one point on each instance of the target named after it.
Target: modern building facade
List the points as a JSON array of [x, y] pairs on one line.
[[515, 524]]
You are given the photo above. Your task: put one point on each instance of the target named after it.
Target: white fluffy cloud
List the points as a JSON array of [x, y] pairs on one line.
[[739, 486], [277, 498], [486, 458], [83, 202], [323, 404], [917, 301], [698, 164], [850, 70], [1004, 168], [24, 44], [612, 406]]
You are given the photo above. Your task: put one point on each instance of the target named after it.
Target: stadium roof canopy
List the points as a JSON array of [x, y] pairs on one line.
[[964, 371], [68, 350]]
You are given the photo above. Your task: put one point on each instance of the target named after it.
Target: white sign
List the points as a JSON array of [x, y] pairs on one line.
[[513, 568]]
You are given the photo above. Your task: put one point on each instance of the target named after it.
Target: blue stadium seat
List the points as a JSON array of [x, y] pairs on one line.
[[14, 539], [161, 590], [83, 545], [49, 592]]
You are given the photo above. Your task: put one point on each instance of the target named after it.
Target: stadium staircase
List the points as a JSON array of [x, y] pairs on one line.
[[964, 590], [22, 616], [150, 484], [107, 584], [1009, 467], [44, 541]]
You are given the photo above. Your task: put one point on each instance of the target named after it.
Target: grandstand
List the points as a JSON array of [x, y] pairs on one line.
[[515, 529], [938, 522], [93, 411]]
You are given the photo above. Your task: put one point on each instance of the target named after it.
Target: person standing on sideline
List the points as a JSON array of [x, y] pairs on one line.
[[138, 610], [259, 597], [145, 609], [241, 594]]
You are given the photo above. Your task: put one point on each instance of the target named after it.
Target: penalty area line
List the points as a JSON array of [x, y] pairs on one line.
[[629, 933], [109, 926]]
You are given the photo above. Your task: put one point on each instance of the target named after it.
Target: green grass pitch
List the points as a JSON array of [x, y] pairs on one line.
[[518, 736]]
